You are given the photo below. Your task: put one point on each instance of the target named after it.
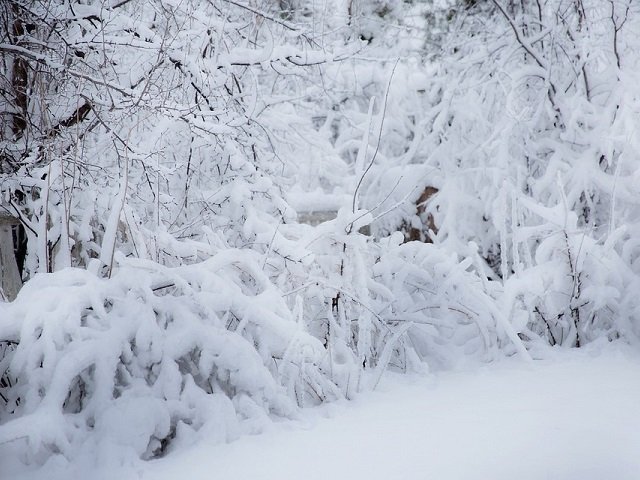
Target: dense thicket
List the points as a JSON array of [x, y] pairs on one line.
[[154, 154]]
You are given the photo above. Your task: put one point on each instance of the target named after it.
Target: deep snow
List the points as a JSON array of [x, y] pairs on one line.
[[575, 415]]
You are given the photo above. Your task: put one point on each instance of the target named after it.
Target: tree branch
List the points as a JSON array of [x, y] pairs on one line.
[[43, 60]]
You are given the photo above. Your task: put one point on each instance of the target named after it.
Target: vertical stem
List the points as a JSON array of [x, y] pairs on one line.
[[19, 77]]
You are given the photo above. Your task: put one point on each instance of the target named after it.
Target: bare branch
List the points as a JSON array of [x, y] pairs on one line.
[[43, 60], [264, 15], [526, 45]]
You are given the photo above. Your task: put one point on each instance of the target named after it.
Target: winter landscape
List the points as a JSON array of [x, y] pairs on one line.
[[339, 239]]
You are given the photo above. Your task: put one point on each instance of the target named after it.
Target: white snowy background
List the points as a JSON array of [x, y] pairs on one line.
[[339, 239]]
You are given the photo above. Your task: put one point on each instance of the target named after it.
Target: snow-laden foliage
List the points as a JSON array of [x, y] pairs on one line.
[[134, 364], [449, 312], [152, 127], [154, 158], [154, 152], [564, 160], [150, 355], [527, 134]]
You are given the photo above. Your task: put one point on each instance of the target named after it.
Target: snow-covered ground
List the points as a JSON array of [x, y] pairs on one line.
[[573, 416]]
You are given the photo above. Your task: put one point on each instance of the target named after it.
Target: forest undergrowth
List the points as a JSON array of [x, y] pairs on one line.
[[482, 159]]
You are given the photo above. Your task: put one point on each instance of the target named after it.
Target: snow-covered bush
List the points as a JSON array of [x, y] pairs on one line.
[[449, 311], [376, 305], [150, 356], [527, 135], [155, 356]]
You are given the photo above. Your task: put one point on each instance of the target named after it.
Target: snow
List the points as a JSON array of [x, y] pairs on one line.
[[575, 418], [573, 415], [195, 269]]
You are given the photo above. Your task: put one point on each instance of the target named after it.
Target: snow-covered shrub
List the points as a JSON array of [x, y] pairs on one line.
[[331, 293], [135, 364], [448, 310], [527, 134], [376, 305], [150, 356]]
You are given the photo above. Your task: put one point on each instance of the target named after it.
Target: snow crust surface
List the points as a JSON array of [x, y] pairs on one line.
[[575, 415]]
